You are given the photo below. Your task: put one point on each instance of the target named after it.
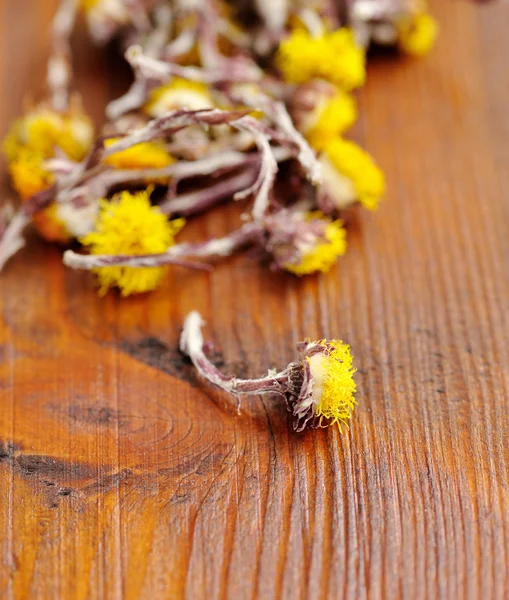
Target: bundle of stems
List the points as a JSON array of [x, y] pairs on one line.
[[223, 95]]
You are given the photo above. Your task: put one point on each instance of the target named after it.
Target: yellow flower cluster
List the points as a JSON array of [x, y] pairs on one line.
[[350, 173], [35, 138], [334, 387], [130, 225], [333, 56], [322, 256]]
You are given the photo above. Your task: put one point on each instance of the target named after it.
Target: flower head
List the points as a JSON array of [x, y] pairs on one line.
[[350, 174], [323, 112], [88, 4], [323, 387], [178, 94], [333, 56], [28, 174], [44, 130], [305, 242], [130, 225], [146, 155], [36, 137], [417, 34]]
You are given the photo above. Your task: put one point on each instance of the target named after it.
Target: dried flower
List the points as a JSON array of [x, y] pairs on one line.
[[333, 56], [147, 155], [27, 173], [417, 34], [350, 174], [178, 94], [318, 389], [33, 140], [304, 242], [43, 130], [323, 112], [286, 85], [130, 225]]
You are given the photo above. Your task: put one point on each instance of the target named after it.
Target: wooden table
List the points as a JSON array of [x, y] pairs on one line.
[[122, 475]]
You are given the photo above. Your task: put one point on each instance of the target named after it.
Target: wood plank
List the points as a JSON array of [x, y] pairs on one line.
[[122, 476]]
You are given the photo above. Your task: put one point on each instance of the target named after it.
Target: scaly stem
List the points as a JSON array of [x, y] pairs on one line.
[[12, 239], [202, 199], [191, 344], [59, 64], [177, 254]]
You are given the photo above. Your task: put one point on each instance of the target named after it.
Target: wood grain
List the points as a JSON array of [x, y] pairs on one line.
[[122, 476]]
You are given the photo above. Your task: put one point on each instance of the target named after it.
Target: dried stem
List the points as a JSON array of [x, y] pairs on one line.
[[59, 64], [12, 239], [192, 344], [225, 246], [203, 199]]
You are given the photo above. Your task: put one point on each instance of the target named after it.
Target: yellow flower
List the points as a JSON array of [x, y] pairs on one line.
[[146, 155], [334, 57], [130, 225], [28, 178], [330, 118], [417, 35], [333, 384], [88, 5], [350, 174], [43, 129], [321, 256], [178, 94], [34, 138], [28, 175]]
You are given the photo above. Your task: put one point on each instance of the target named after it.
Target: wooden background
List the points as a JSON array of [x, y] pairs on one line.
[[122, 476]]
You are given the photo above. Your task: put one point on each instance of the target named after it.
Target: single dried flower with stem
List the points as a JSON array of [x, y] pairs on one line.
[[318, 388]]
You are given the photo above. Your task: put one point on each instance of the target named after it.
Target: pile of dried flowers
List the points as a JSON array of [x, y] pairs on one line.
[[223, 93]]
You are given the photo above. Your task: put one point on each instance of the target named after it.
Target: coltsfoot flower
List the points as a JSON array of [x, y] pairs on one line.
[[333, 56], [417, 34], [130, 225], [28, 175], [43, 130], [304, 242], [323, 112], [350, 175], [178, 94], [40, 135], [146, 155], [319, 388]]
